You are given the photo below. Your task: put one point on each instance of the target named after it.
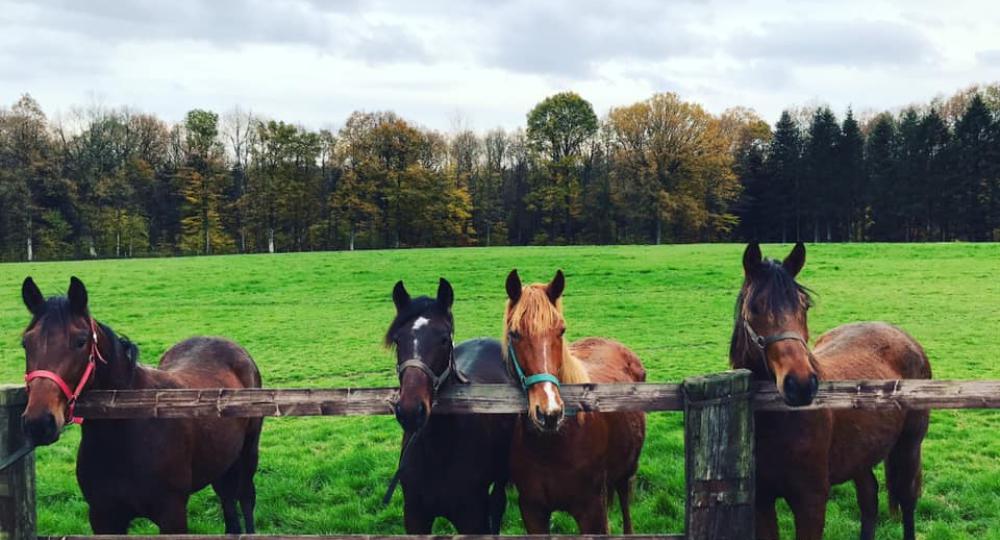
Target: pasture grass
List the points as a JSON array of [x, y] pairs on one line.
[[317, 319]]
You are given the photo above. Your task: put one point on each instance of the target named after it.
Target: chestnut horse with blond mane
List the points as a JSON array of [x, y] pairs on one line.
[[801, 454], [558, 464]]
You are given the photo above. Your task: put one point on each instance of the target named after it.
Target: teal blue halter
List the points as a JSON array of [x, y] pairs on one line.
[[530, 380]]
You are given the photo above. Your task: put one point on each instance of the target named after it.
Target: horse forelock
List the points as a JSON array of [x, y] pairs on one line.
[[534, 313]]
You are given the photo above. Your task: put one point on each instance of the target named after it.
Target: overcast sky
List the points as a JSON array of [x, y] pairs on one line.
[[482, 64]]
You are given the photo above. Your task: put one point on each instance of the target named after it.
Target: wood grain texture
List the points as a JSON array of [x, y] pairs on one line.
[[719, 460], [17, 482], [503, 399]]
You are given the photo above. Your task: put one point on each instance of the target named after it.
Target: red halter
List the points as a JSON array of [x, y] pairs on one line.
[[88, 373]]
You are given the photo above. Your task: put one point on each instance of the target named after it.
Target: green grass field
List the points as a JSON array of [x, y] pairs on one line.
[[316, 320]]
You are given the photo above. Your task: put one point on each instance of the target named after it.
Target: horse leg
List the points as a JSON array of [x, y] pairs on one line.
[[592, 518], [809, 509], [227, 487], [416, 520], [537, 520], [766, 518], [624, 489], [497, 505], [171, 516], [247, 469], [472, 518], [903, 474], [109, 520], [866, 488]]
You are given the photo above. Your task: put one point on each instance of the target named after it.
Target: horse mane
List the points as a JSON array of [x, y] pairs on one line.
[[780, 293], [58, 314], [534, 312], [417, 307]]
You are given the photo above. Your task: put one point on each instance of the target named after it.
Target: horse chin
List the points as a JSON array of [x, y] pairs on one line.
[[542, 427]]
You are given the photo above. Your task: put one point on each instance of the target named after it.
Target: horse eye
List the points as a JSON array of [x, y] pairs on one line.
[[80, 343], [24, 343], [515, 335], [562, 332]]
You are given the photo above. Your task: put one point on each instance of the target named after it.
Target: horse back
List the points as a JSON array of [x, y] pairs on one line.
[[870, 350], [481, 361], [210, 362], [608, 361]]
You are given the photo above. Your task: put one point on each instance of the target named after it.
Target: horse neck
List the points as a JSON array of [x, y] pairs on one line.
[[117, 370], [573, 370]]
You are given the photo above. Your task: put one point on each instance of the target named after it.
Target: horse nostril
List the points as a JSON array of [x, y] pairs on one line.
[[538, 412], [791, 386]]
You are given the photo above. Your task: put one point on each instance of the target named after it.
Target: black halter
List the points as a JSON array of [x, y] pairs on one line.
[[436, 379], [762, 342]]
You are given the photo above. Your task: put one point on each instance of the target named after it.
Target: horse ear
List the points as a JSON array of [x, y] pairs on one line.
[[32, 296], [795, 260], [446, 295], [555, 288], [77, 296], [513, 286], [400, 297], [751, 257]]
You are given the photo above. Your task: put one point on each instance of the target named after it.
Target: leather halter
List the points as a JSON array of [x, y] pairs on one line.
[[529, 380], [88, 374], [762, 342], [436, 379]]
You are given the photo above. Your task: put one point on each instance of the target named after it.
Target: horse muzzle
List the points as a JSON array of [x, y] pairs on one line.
[[548, 421], [799, 393], [413, 417], [41, 429]]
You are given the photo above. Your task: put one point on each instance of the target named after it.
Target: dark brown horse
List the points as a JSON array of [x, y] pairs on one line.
[[557, 464], [138, 467], [801, 454], [449, 462]]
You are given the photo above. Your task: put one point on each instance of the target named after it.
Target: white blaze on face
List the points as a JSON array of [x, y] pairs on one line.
[[417, 325], [551, 405]]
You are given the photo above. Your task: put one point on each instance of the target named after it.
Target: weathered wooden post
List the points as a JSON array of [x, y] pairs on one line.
[[719, 453], [17, 483]]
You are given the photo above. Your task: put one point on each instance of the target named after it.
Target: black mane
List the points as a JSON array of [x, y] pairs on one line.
[[57, 315], [420, 306], [772, 283]]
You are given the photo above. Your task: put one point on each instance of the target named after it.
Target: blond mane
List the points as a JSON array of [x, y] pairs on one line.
[[535, 313]]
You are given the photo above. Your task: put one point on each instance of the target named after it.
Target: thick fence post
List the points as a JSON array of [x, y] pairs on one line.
[[719, 453], [17, 483]]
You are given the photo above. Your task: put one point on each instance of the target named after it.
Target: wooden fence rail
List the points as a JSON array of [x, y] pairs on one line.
[[503, 399], [718, 430]]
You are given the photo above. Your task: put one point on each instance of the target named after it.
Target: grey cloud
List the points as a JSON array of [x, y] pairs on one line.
[[989, 58], [570, 39], [859, 43], [385, 44], [221, 22]]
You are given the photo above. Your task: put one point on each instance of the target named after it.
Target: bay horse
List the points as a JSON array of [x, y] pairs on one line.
[[449, 462], [558, 464], [801, 454], [143, 467]]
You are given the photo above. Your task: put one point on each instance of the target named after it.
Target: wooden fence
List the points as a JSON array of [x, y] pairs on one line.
[[718, 428]]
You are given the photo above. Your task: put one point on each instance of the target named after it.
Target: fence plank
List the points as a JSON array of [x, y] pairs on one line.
[[492, 399], [503, 399], [372, 537], [17, 483], [719, 460], [878, 394]]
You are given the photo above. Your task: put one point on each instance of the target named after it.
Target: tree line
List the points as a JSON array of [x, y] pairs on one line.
[[121, 183]]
